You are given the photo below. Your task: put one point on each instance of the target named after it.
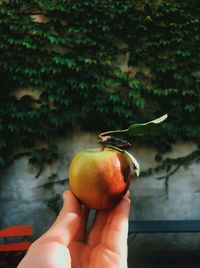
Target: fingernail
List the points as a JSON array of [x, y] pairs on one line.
[[64, 194], [126, 205], [127, 194]]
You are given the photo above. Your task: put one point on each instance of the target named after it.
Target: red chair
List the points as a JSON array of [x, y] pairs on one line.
[[13, 231]]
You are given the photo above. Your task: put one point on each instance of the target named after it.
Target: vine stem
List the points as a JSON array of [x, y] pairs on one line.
[[170, 173]]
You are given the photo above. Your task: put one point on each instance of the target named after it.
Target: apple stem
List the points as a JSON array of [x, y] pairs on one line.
[[105, 139], [113, 132], [102, 147]]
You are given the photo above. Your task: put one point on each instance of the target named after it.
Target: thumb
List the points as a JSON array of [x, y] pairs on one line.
[[69, 219]]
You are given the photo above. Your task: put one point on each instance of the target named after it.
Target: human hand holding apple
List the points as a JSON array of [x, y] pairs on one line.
[[100, 177]]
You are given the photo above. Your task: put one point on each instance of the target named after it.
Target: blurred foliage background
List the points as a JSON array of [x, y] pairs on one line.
[[65, 54]]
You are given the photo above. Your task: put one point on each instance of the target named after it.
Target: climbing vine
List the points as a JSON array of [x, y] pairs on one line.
[[64, 55]]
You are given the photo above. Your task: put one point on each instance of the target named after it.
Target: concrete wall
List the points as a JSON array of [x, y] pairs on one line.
[[149, 198], [23, 201]]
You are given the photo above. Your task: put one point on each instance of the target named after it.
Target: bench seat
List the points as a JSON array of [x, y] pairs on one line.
[[164, 226]]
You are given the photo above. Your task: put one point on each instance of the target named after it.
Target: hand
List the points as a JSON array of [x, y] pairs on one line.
[[65, 245]]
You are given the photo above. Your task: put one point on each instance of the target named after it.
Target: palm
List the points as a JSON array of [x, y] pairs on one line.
[[64, 244], [93, 257], [103, 247]]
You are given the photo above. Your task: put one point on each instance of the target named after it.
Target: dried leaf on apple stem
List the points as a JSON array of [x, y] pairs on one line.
[[133, 162]]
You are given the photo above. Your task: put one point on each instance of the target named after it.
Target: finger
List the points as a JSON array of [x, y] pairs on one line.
[[94, 237], [115, 233], [66, 225], [81, 232], [127, 194], [100, 221]]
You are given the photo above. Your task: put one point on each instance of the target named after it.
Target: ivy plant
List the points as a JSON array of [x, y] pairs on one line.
[[64, 55]]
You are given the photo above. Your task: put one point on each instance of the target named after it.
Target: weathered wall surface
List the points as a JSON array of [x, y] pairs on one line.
[[148, 194], [23, 201]]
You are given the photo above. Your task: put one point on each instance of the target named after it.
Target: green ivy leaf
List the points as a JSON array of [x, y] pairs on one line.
[[3, 144], [52, 177], [2, 161], [145, 128]]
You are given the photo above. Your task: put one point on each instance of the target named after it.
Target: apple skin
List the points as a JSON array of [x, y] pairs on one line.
[[99, 178]]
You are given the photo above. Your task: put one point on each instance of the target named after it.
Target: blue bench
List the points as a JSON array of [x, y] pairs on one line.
[[164, 226]]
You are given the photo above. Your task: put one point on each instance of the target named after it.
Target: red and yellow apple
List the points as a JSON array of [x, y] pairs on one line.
[[100, 178]]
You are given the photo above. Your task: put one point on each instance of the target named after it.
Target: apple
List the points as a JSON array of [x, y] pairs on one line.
[[100, 178]]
